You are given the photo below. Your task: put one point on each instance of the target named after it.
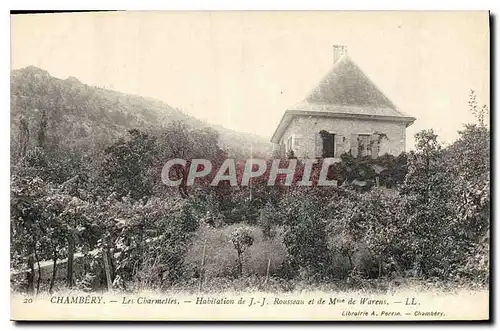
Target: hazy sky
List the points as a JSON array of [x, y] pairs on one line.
[[243, 69]]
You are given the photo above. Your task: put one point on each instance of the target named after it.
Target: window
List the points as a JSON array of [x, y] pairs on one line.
[[328, 140], [293, 142], [364, 145], [296, 142]]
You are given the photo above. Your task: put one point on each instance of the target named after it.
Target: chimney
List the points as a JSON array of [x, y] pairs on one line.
[[338, 52]]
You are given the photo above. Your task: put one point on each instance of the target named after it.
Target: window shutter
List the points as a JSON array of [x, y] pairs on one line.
[[354, 144], [282, 150], [319, 145], [374, 145], [339, 145]]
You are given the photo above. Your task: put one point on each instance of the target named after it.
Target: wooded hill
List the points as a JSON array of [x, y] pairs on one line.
[[86, 118]]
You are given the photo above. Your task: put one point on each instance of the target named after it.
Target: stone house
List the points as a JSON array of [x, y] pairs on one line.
[[345, 112]]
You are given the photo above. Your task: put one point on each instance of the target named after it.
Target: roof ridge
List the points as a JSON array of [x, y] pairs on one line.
[[396, 108]]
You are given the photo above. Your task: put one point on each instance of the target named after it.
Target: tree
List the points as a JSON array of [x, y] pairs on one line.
[[305, 233], [27, 224], [42, 130], [479, 112], [24, 135], [127, 166], [375, 222], [468, 161], [179, 141], [242, 239], [425, 197]]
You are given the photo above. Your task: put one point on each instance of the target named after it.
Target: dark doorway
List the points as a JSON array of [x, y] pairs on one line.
[[328, 143]]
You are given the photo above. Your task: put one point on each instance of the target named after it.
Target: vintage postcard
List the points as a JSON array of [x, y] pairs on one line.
[[221, 166]]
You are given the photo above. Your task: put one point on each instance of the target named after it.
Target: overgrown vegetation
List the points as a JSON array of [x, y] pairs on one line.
[[423, 214]]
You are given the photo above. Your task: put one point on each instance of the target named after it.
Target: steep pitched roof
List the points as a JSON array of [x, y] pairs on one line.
[[347, 92], [345, 86]]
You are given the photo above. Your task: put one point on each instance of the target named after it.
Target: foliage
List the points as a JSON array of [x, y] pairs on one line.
[[242, 240], [305, 235], [375, 222], [104, 207], [388, 169], [479, 112], [127, 165]]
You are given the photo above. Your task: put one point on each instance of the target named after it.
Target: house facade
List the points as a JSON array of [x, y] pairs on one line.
[[345, 112]]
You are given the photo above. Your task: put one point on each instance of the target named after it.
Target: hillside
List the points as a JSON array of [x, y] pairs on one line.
[[85, 117]]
